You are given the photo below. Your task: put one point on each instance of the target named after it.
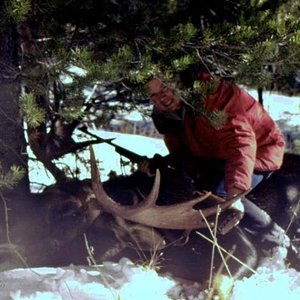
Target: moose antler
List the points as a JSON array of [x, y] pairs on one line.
[[174, 216]]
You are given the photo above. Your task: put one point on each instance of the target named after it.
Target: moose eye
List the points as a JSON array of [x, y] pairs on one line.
[[64, 211], [77, 213]]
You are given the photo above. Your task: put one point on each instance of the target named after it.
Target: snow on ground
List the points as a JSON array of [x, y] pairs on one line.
[[281, 107], [109, 159], [106, 282], [124, 280], [267, 284]]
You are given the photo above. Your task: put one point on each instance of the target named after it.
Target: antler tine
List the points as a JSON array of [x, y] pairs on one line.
[[153, 195], [104, 200], [94, 170]]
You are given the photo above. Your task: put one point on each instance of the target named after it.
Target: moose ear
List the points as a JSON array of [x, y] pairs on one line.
[[145, 238]]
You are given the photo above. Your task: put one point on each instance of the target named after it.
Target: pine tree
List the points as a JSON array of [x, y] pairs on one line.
[[13, 163], [118, 45]]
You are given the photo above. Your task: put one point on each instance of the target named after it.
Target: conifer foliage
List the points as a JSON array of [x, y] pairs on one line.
[[118, 45]]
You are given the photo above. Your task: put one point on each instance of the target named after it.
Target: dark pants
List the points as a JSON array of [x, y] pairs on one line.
[[255, 221]]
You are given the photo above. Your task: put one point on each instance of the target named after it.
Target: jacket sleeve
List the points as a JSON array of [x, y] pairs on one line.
[[239, 142], [237, 138]]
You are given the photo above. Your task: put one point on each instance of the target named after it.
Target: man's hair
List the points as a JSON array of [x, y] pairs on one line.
[[191, 74]]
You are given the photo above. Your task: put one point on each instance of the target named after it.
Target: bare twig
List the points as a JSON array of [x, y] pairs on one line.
[[294, 215], [215, 242], [213, 250], [90, 250], [11, 246], [225, 251]]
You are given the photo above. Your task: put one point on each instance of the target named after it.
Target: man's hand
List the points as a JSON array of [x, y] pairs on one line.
[[238, 205], [144, 166], [233, 192], [232, 216], [149, 165]]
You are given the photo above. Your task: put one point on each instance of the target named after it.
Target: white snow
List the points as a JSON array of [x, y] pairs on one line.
[[281, 107], [268, 284], [108, 281], [109, 159], [126, 281]]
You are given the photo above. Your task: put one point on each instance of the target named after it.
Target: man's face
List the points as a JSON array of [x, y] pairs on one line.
[[163, 96]]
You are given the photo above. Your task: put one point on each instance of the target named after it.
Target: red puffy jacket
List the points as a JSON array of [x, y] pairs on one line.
[[250, 140]]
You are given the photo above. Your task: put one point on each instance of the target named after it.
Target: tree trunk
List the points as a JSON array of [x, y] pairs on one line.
[[12, 140], [260, 96]]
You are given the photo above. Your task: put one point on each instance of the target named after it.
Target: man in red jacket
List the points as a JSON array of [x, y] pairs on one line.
[[227, 158]]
